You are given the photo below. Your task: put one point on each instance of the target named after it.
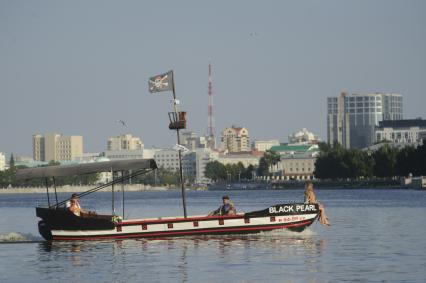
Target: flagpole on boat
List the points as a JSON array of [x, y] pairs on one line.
[[179, 151]]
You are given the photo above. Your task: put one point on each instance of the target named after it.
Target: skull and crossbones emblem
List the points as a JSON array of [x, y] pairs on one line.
[[159, 82]]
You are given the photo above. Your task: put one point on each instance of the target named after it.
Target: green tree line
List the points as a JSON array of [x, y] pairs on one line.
[[217, 171], [336, 162]]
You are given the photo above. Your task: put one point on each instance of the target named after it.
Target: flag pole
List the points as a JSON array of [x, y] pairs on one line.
[[179, 152]]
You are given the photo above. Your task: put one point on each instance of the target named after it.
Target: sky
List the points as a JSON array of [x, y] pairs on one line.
[[76, 67]]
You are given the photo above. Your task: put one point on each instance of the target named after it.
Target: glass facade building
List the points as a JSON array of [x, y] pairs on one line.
[[352, 118]]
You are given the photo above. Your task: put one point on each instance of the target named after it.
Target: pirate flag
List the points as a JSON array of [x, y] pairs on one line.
[[161, 82]]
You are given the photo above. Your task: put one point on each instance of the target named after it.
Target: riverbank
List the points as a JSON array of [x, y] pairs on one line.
[[300, 184]]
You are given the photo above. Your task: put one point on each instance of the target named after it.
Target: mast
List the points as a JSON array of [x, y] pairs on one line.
[[165, 82], [180, 123]]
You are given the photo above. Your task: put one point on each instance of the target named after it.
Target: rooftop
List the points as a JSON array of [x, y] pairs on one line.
[[295, 148]]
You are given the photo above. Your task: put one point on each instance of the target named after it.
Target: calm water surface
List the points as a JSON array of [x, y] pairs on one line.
[[377, 236]]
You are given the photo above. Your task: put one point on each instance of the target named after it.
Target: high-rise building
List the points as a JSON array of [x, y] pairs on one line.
[[352, 118], [57, 147], [235, 139], [2, 161], [124, 142], [38, 147]]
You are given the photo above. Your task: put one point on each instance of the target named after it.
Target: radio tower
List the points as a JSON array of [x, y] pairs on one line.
[[211, 139]]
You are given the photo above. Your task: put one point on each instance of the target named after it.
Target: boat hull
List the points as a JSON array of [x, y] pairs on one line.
[[295, 217]]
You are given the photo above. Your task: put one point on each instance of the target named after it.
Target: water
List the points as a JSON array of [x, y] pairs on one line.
[[376, 236]]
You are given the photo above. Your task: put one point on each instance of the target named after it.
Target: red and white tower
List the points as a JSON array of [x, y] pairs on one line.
[[211, 138]]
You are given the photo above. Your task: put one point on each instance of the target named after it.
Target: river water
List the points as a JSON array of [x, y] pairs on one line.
[[376, 236]]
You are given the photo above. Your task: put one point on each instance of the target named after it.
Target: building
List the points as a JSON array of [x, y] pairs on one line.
[[411, 131], [235, 139], [167, 159], [38, 148], [2, 161], [264, 145], [194, 164], [124, 142], [246, 158], [297, 162], [303, 137], [352, 118], [124, 154], [57, 147], [191, 141]]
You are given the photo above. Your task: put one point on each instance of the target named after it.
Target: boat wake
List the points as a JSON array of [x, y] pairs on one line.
[[287, 233], [19, 238]]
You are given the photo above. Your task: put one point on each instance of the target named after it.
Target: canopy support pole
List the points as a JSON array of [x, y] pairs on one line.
[[113, 193], [103, 186], [47, 191], [56, 194], [122, 189]]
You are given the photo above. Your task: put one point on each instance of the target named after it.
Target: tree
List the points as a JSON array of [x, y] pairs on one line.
[[12, 163], [405, 161], [385, 161], [271, 159], [215, 171], [336, 162], [248, 173], [263, 168]]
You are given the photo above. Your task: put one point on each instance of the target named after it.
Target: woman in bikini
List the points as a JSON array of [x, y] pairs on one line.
[[312, 199]]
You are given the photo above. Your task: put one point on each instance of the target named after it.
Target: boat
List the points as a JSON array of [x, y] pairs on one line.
[[59, 224]]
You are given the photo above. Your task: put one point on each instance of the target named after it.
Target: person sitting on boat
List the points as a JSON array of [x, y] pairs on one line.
[[74, 205], [73, 196], [227, 208], [312, 199]]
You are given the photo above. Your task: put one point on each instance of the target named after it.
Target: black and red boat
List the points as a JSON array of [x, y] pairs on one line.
[[58, 223]]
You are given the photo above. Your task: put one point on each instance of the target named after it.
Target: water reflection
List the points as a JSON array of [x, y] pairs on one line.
[[176, 258]]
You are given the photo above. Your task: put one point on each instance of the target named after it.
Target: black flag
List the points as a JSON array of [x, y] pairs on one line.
[[161, 82]]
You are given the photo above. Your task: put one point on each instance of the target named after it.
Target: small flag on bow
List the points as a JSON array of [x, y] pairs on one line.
[[161, 82]]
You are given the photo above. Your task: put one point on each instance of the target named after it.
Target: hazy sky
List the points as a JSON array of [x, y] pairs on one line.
[[76, 67]]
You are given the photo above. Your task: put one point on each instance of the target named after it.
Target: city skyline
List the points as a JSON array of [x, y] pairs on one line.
[[77, 68]]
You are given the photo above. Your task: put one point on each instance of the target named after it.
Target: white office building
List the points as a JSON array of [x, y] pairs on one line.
[[124, 142], [124, 154], [264, 145], [2, 161], [194, 164], [167, 159]]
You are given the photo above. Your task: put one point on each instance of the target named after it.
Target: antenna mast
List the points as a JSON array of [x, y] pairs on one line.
[[211, 139]]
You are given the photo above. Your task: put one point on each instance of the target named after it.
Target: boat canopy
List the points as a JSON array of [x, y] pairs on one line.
[[85, 168]]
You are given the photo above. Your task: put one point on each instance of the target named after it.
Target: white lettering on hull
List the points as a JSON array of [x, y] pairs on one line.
[[292, 208]]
